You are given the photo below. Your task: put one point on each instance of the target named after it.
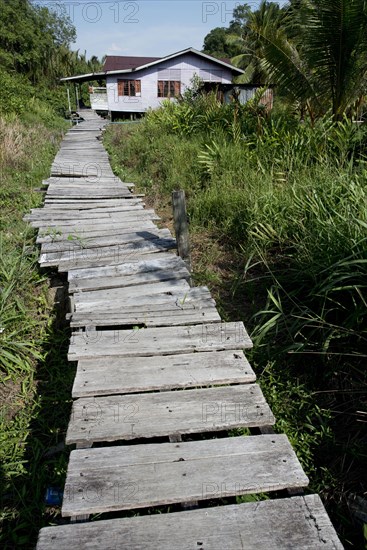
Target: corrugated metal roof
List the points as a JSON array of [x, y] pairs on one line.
[[122, 63]]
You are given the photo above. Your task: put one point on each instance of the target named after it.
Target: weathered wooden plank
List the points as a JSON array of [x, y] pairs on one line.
[[299, 522], [84, 169], [72, 182], [86, 216], [97, 158], [65, 213], [135, 279], [167, 473], [83, 193], [124, 275], [87, 168], [170, 297], [135, 374], [80, 171], [159, 341], [71, 192], [106, 254], [74, 145], [161, 318], [90, 203], [116, 259], [59, 236], [126, 417], [74, 244], [157, 309], [107, 228], [120, 255], [106, 180], [164, 261], [107, 219], [94, 206], [168, 291], [79, 182], [69, 180]]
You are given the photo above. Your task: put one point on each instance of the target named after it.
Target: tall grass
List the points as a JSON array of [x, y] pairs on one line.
[[32, 349], [287, 200]]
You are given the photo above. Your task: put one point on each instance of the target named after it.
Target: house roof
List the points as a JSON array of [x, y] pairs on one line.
[[121, 62], [158, 60], [116, 64], [84, 77]]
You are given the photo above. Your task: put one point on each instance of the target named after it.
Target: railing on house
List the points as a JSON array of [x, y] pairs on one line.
[[98, 98]]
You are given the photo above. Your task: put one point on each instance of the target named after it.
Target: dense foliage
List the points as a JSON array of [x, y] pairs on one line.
[[35, 52], [279, 202], [287, 202], [35, 383], [314, 51]]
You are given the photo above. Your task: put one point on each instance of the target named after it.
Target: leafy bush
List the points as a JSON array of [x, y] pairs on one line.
[[16, 91], [288, 201]]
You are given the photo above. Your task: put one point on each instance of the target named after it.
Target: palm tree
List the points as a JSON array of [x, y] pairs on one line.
[[245, 37], [318, 55]]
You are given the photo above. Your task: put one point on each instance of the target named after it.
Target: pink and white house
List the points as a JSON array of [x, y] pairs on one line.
[[136, 84]]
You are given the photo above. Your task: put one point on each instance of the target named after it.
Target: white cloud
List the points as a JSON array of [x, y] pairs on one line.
[[114, 48]]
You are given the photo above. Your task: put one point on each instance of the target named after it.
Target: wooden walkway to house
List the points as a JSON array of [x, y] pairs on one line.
[[160, 384]]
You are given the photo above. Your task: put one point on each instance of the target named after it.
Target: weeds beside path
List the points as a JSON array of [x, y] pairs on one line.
[[35, 379]]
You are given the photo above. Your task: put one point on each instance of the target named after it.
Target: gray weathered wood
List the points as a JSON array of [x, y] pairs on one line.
[[160, 304], [179, 289], [164, 261], [66, 214], [135, 374], [292, 523], [100, 227], [159, 341], [160, 414], [75, 223], [133, 279], [174, 291], [120, 478], [181, 226], [89, 204], [73, 244], [162, 318], [104, 255], [67, 234], [122, 256]]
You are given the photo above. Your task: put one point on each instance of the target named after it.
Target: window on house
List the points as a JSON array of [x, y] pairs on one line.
[[169, 88], [129, 87]]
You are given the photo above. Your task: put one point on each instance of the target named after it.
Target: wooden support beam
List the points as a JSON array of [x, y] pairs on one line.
[[181, 226]]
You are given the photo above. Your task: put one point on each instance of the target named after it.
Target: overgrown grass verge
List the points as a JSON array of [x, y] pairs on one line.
[[34, 379], [278, 224]]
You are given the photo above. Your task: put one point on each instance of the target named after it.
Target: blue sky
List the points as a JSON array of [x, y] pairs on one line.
[[145, 27]]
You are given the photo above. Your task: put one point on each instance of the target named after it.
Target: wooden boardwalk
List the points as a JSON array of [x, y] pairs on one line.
[[161, 382]]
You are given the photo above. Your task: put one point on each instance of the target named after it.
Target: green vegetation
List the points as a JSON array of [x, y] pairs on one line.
[[278, 215], [35, 53], [35, 378], [278, 222], [316, 70]]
